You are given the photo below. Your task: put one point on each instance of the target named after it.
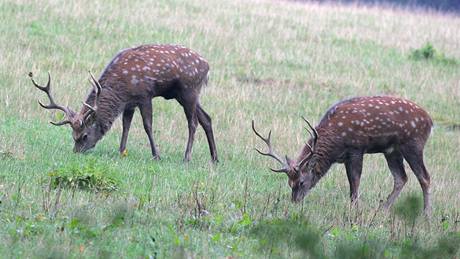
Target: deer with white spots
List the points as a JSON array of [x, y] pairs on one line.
[[132, 79], [396, 127]]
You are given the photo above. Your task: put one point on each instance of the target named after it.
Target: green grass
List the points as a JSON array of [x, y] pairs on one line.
[[271, 61]]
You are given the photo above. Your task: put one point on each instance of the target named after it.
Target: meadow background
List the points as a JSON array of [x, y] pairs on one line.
[[271, 61]]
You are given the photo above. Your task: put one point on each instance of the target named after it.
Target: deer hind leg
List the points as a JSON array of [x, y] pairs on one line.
[[414, 157], [189, 103], [354, 167], [205, 122], [127, 118], [395, 162], [146, 113]]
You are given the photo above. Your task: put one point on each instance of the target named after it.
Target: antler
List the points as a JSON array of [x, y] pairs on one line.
[[314, 135], [271, 153], [97, 85], [69, 113], [97, 90]]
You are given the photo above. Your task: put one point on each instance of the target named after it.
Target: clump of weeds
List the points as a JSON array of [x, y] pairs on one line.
[[429, 53], [89, 176]]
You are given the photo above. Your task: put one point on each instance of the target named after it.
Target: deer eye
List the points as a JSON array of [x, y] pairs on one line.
[[84, 137]]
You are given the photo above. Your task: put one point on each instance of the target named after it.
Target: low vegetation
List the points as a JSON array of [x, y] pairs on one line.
[[90, 176], [429, 53], [302, 237]]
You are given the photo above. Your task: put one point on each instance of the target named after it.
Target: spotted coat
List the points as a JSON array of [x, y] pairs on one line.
[[374, 121], [135, 76], [394, 126], [155, 67]]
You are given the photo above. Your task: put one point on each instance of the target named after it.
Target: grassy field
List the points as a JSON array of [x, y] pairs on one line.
[[271, 61]]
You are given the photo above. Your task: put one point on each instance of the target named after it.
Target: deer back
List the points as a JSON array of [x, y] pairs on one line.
[[153, 69], [375, 121]]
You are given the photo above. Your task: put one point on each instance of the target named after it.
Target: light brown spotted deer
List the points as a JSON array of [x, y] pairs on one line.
[[393, 126], [132, 79]]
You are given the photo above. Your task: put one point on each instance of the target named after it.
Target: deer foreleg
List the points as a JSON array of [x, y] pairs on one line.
[[354, 166], [127, 118]]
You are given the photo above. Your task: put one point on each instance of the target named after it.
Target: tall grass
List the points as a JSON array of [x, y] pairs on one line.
[[271, 61]]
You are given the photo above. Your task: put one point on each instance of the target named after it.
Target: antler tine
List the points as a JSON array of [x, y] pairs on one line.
[[282, 170], [98, 87], [304, 160], [97, 90], [61, 122], [91, 82], [309, 132], [311, 135], [270, 152], [88, 113], [315, 133], [309, 146], [89, 107], [43, 88], [52, 105]]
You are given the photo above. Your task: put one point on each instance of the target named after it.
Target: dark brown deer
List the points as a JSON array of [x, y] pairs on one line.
[[393, 126], [132, 79]]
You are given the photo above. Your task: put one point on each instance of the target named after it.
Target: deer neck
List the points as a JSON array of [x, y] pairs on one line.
[[326, 153], [318, 166], [109, 107]]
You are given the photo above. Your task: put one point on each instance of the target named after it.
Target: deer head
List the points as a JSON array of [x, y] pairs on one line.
[[86, 132], [300, 179]]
